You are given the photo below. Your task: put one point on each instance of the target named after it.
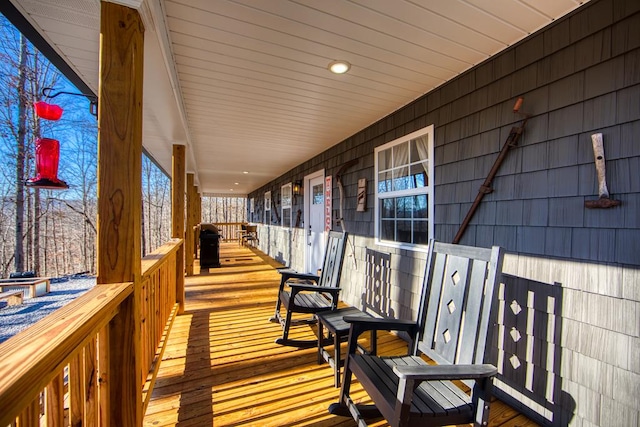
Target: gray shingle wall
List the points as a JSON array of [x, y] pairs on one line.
[[578, 77]]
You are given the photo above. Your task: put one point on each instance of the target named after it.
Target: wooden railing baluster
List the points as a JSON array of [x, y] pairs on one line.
[[59, 371]]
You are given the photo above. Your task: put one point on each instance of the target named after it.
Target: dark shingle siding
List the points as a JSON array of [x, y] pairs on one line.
[[628, 246], [558, 241], [598, 245], [566, 212], [563, 182], [535, 212], [578, 77]]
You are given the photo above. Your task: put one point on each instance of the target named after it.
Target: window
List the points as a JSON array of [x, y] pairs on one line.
[[286, 205], [267, 207], [404, 189]]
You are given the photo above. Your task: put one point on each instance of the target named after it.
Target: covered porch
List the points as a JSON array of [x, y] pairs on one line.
[[221, 366]]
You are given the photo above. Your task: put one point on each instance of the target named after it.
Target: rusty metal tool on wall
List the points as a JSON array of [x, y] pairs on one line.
[[603, 192], [485, 188]]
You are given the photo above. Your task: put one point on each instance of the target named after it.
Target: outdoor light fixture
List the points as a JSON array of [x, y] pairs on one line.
[[339, 67], [296, 190]]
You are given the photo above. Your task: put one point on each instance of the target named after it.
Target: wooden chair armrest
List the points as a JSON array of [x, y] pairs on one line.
[[297, 287], [375, 323], [286, 275], [445, 372]]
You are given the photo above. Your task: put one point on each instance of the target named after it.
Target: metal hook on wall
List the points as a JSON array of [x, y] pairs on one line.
[[93, 100]]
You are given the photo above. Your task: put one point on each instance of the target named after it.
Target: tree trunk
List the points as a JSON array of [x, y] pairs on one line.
[[22, 121]]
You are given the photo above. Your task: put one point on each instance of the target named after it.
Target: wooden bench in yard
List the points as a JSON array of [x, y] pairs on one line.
[[14, 297], [32, 286]]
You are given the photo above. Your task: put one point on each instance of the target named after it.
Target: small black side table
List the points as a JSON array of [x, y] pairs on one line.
[[339, 330]]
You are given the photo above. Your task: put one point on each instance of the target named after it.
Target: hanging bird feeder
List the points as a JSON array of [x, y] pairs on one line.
[[47, 157], [48, 111], [48, 149]]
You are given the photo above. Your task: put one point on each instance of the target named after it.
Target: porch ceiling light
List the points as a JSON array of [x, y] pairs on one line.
[[339, 67]]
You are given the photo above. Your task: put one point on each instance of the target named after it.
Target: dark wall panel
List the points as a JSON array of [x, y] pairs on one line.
[[579, 76]]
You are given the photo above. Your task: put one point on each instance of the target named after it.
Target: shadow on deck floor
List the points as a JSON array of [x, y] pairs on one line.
[[222, 367]]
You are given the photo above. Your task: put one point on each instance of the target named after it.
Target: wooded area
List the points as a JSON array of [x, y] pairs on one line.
[[53, 232]]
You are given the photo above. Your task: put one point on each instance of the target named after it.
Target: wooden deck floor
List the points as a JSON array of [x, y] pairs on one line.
[[222, 367]]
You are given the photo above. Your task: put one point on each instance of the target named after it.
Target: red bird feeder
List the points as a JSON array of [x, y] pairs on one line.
[[47, 157], [48, 111]]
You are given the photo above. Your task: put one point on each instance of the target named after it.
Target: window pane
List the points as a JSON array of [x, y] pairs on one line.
[[400, 154], [384, 159], [419, 177], [419, 149], [404, 231], [286, 196], [421, 232], [387, 230], [387, 208], [401, 179], [286, 217], [420, 207], [404, 207], [318, 195], [384, 182]]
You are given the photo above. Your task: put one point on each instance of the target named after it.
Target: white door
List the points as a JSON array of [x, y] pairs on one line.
[[314, 227]]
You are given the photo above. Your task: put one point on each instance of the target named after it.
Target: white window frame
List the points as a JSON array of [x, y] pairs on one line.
[[286, 195], [428, 190]]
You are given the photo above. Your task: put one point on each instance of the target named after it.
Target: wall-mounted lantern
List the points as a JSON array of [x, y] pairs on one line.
[[296, 189]]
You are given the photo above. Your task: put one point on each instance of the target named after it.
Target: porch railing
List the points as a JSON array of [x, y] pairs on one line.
[[229, 230], [53, 374]]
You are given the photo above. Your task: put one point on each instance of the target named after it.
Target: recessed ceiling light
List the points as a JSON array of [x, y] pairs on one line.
[[236, 183], [339, 67], [245, 171]]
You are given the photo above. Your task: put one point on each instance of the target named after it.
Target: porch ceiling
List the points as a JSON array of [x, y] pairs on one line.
[[244, 83]]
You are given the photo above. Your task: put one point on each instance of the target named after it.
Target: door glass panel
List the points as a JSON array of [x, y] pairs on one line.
[[318, 194]]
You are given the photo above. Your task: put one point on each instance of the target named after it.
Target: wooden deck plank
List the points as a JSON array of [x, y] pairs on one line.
[[221, 366]]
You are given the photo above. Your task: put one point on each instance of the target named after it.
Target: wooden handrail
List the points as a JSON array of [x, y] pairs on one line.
[[154, 260], [33, 358], [62, 348]]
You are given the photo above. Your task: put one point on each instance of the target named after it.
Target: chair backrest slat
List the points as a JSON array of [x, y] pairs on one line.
[[458, 296], [333, 258], [376, 298]]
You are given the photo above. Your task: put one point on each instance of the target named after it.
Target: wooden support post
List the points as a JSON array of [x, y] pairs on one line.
[[119, 204], [199, 210], [188, 240], [177, 217], [197, 220]]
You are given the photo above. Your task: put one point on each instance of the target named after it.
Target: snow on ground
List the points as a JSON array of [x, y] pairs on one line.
[[14, 319]]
